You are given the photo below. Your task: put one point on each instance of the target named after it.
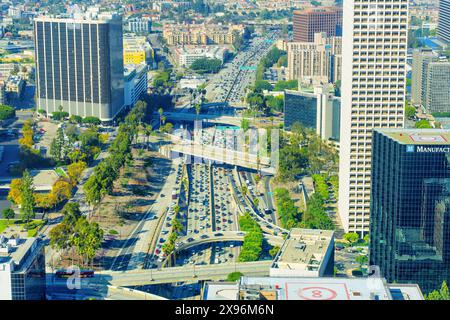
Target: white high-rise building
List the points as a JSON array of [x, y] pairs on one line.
[[373, 96]]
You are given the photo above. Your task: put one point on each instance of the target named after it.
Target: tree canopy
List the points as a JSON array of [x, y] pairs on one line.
[[6, 112], [206, 65]]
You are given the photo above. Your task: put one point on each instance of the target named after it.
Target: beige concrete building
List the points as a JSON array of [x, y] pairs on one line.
[[419, 57], [201, 34], [315, 62], [305, 253], [374, 54]]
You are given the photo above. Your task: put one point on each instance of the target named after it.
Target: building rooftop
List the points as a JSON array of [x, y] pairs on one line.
[[43, 180], [418, 136], [311, 288], [130, 70], [221, 291], [303, 250], [200, 49], [15, 250], [318, 10], [88, 17]]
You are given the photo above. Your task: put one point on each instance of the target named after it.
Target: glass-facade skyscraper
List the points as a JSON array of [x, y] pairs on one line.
[[410, 206], [79, 66], [314, 108]]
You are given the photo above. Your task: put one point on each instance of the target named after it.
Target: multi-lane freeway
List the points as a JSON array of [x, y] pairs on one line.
[[142, 277]]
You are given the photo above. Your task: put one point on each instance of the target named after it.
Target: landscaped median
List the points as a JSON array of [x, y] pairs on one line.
[[253, 240]]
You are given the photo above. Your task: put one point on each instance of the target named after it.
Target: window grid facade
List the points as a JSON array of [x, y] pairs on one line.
[[410, 210], [79, 66], [373, 96]]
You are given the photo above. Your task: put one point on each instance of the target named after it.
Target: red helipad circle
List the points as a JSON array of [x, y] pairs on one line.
[[317, 293]]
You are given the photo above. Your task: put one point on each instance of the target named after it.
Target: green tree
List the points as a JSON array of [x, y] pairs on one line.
[[245, 124], [198, 108], [148, 130], [59, 115], [87, 239], [206, 65], [160, 111], [75, 119], [60, 236], [351, 237], [91, 120], [167, 128], [8, 213], [286, 85], [28, 202], [366, 238], [244, 190], [315, 216], [6, 112], [176, 225], [59, 147], [441, 294], [71, 212], [273, 252], [234, 276], [410, 111], [261, 85], [423, 124], [361, 260]]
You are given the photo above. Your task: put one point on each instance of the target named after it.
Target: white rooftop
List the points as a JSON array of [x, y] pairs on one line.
[[313, 288]]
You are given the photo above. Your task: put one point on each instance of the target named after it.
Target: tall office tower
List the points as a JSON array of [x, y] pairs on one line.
[[436, 86], [374, 49], [317, 62], [444, 20], [419, 57], [410, 206], [79, 66], [310, 21]]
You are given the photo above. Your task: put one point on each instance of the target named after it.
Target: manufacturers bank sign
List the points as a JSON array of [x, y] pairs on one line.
[[427, 149]]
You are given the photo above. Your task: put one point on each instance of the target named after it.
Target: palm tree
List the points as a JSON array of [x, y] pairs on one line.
[[244, 190], [148, 132], [160, 111], [197, 109]]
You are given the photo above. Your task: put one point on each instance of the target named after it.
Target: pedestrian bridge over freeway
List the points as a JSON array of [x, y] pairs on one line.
[[212, 118], [190, 273], [183, 243], [219, 155]]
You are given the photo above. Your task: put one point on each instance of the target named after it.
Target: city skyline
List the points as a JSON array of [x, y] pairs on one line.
[[224, 150]]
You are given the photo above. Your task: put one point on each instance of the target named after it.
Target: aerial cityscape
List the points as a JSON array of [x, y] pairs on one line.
[[225, 150]]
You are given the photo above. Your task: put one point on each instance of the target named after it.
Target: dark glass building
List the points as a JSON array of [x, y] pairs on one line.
[[316, 109], [410, 206], [79, 66]]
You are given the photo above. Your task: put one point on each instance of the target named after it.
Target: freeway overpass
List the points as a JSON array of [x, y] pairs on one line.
[[57, 289], [212, 118], [140, 277], [218, 154], [210, 237]]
